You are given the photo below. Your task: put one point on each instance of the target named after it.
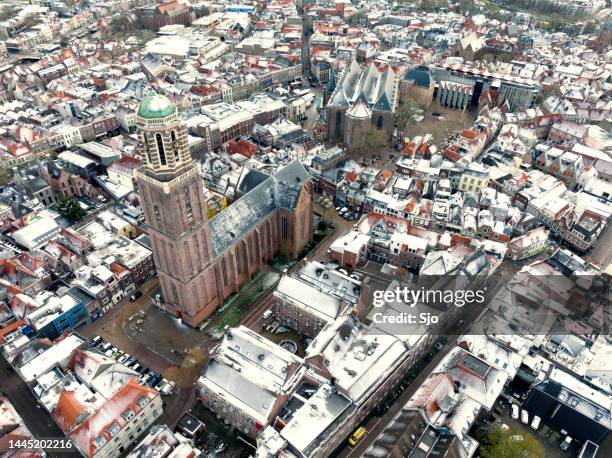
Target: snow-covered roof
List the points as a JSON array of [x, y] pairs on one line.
[[305, 296], [58, 354], [249, 371], [313, 418], [357, 359], [279, 191]]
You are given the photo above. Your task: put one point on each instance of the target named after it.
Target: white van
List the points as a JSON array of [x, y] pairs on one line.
[[515, 412], [267, 314], [535, 423], [524, 417]]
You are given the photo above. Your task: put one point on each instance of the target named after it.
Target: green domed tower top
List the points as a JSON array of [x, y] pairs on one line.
[[155, 106]]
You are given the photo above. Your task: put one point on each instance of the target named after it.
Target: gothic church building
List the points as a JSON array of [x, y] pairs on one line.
[[202, 261]]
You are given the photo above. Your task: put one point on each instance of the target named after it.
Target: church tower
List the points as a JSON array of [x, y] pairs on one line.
[[171, 189]]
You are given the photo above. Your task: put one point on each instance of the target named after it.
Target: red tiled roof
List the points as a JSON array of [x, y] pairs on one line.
[[432, 392], [111, 412], [469, 133], [68, 410], [242, 147], [168, 6]]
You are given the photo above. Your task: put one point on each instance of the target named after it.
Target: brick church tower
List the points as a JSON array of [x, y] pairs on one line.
[[172, 194]]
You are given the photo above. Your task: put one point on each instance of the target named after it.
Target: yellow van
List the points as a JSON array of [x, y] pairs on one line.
[[357, 435]]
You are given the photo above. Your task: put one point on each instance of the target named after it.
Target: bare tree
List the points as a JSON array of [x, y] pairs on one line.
[[373, 141]]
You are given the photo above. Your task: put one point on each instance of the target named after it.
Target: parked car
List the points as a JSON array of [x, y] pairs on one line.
[[566, 443], [123, 358], [96, 340], [136, 367], [524, 417], [515, 412], [343, 272], [168, 388], [161, 384], [154, 380], [105, 346], [109, 353], [267, 314], [535, 424], [134, 297]]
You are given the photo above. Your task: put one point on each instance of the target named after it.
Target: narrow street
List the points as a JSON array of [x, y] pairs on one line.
[[312, 114], [35, 417]]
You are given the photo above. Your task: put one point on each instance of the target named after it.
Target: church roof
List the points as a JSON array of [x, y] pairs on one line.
[[359, 111], [249, 179], [154, 105], [420, 75], [376, 88], [278, 191]]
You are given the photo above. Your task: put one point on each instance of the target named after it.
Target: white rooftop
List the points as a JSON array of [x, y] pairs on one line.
[[58, 354]]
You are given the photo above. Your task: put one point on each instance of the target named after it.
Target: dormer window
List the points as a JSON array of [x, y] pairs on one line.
[[128, 414], [142, 401], [113, 428], [99, 442]]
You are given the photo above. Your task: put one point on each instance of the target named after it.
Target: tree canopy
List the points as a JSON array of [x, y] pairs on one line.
[[357, 18], [404, 117], [510, 443], [6, 175], [70, 208], [373, 141]]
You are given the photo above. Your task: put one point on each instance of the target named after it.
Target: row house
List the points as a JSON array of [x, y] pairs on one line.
[[55, 313], [116, 425], [246, 380], [527, 245], [565, 165]]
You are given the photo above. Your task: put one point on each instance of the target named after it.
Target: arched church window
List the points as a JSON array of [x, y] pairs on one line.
[[160, 149], [175, 146]]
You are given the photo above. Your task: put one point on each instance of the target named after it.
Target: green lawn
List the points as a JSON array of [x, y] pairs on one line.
[[238, 304]]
